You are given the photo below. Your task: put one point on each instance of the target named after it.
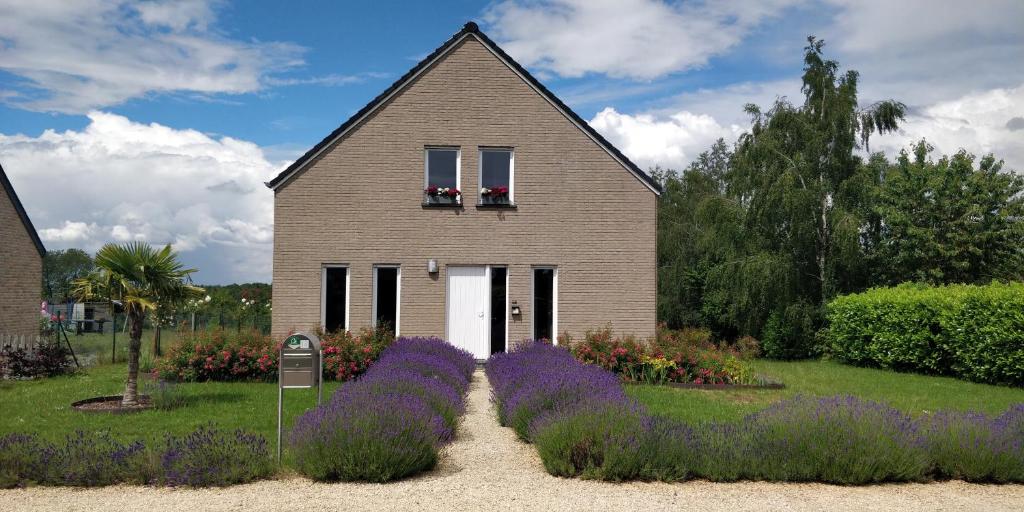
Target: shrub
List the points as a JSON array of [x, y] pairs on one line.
[[790, 333], [973, 447], [347, 355], [88, 459], [600, 441], [392, 421], [219, 355], [43, 360], [211, 457], [593, 431], [840, 440], [686, 355], [21, 460], [972, 332]]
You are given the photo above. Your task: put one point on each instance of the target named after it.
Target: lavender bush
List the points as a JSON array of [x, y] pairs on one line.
[[392, 421], [88, 459], [840, 440], [584, 425], [211, 457], [974, 447], [22, 459]]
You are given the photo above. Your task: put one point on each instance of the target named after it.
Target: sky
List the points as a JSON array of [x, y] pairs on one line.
[[160, 121]]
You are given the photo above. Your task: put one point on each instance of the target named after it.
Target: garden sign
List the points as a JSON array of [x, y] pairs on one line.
[[300, 366]]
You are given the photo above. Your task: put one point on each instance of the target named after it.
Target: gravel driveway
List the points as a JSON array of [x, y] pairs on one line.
[[486, 468]]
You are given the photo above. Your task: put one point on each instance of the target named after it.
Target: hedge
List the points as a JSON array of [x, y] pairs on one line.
[[971, 332]]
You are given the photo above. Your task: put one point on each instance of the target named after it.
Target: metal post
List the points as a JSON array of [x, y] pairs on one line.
[[280, 401], [113, 339]]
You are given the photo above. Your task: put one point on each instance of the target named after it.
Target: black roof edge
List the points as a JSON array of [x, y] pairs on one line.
[[25, 221], [468, 28]]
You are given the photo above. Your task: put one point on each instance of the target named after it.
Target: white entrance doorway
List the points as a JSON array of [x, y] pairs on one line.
[[469, 312]]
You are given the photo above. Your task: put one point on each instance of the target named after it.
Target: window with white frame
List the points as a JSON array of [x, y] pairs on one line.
[[442, 174], [496, 173]]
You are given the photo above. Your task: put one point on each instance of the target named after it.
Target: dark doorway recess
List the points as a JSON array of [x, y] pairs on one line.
[[543, 303], [499, 310], [334, 298], [387, 297]]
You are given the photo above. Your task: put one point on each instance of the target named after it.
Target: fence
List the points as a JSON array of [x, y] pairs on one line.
[[16, 341]]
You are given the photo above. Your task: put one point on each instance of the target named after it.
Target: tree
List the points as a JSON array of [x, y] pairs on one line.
[[61, 268], [139, 277], [948, 221]]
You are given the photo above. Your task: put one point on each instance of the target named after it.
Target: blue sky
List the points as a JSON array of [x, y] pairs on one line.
[[158, 120]]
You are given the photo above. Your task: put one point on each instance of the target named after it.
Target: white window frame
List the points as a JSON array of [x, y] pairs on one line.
[[398, 296], [511, 170], [323, 293], [458, 164], [554, 301]]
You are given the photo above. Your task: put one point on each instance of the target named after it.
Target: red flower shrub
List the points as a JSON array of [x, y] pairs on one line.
[[218, 355], [694, 356], [346, 355]]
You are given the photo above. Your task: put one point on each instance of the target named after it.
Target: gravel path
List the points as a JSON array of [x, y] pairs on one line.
[[486, 468]]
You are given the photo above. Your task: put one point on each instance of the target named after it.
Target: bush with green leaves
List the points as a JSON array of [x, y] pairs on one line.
[[971, 332]]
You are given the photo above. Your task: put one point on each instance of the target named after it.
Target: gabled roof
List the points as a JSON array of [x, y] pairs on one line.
[[9, 189], [469, 30]]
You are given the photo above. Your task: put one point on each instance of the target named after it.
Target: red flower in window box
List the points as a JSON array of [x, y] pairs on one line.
[[431, 190], [453, 192], [494, 192]]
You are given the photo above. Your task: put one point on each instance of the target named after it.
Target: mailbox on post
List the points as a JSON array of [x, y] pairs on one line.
[[300, 366]]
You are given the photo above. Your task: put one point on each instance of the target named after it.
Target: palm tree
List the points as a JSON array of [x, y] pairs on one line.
[[139, 277]]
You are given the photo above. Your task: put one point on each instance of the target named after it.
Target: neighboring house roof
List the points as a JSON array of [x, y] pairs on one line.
[[470, 29], [21, 212]]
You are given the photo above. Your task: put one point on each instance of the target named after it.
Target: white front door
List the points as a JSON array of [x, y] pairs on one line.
[[469, 310]]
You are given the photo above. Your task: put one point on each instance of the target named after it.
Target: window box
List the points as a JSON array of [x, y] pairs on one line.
[[440, 196], [497, 200]]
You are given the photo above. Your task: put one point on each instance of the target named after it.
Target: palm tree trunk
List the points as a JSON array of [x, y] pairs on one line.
[[131, 387]]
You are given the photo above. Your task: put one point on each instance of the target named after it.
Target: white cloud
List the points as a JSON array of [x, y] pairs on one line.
[[68, 232], [924, 52], [117, 180], [980, 122], [672, 141], [86, 54], [641, 39]]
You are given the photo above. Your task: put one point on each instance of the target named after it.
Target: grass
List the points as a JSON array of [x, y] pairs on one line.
[[911, 393], [93, 349], [43, 406]]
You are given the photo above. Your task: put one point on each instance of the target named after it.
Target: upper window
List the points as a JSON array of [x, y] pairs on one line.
[[496, 169], [442, 176]]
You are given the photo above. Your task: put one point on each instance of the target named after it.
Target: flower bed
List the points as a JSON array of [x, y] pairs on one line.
[[583, 425], [683, 356], [392, 421], [219, 355], [206, 457]]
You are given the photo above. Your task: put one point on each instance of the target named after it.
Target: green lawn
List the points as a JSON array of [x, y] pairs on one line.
[[913, 393], [44, 406]]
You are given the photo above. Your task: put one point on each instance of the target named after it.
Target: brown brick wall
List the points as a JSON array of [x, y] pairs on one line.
[[21, 271], [360, 204]]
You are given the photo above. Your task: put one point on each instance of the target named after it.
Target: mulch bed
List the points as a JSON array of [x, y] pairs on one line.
[[112, 404]]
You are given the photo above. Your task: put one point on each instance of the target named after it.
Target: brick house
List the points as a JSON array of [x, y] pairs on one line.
[[553, 231], [21, 267]]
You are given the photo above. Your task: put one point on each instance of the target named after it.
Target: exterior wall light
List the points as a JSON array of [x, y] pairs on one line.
[[432, 266], [515, 309]]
